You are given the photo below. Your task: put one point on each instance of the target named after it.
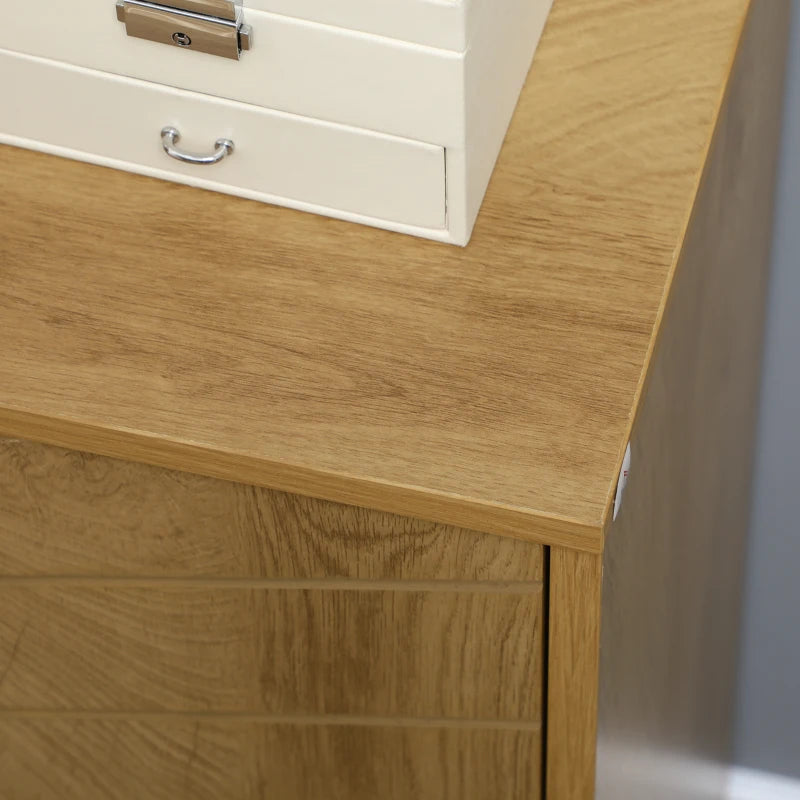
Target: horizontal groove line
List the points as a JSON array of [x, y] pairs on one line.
[[273, 719], [327, 584]]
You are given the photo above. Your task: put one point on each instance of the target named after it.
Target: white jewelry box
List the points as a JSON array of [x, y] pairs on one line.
[[385, 112]]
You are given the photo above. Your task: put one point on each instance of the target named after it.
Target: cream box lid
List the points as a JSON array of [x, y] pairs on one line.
[[442, 24]]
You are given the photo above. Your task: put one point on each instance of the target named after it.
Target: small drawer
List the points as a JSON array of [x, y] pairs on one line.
[[279, 158], [296, 66], [272, 648], [64, 512], [212, 758]]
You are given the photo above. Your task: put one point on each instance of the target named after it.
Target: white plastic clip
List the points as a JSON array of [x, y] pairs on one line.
[[622, 481]]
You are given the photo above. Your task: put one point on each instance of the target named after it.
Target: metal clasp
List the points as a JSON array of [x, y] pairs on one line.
[[210, 26]]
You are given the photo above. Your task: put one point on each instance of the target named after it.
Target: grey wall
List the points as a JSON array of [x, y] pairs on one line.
[[768, 735]]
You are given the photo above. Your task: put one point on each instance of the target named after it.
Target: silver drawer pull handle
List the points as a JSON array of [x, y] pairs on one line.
[[171, 136]]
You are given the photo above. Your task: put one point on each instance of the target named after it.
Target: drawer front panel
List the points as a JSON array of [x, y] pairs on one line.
[[279, 158], [294, 66], [431, 654], [208, 759], [69, 513]]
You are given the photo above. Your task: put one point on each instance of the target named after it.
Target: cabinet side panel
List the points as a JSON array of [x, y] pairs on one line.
[[673, 560]]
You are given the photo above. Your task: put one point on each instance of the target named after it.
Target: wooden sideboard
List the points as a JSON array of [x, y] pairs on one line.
[[295, 509]]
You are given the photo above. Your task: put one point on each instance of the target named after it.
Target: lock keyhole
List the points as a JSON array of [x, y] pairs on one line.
[[182, 39]]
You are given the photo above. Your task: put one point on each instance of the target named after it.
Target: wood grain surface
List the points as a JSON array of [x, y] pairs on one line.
[[441, 654], [77, 514], [674, 557], [165, 759], [575, 581], [490, 387]]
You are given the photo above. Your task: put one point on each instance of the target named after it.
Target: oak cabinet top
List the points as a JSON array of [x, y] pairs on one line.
[[491, 387]]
